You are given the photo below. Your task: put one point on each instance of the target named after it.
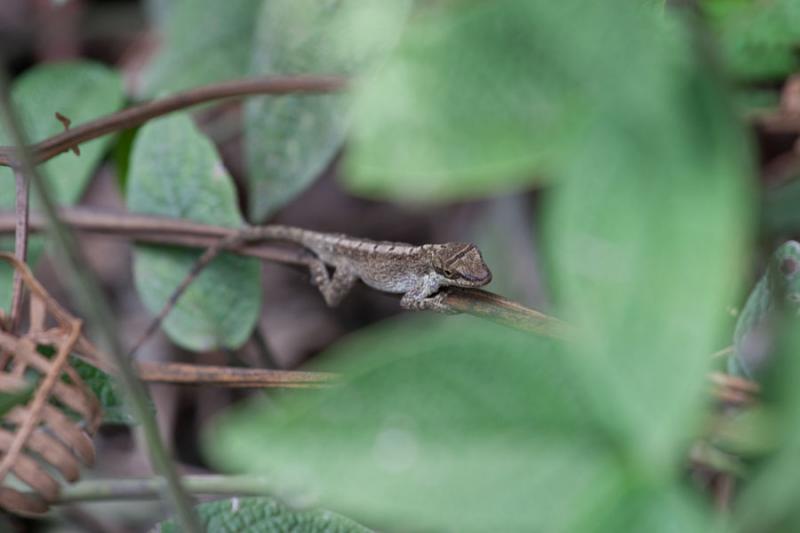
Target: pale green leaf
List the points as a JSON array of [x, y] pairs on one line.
[[485, 97], [205, 41], [290, 139], [647, 230], [463, 427], [176, 172], [264, 515], [768, 500], [80, 91]]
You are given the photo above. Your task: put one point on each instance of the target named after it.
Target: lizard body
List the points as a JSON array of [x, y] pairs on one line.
[[417, 272]]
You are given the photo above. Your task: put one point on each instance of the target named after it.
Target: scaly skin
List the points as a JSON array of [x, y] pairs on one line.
[[778, 289], [417, 272]]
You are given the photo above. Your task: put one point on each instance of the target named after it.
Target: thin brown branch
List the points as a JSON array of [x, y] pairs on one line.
[[94, 490], [225, 376], [136, 115], [490, 306], [20, 243], [777, 122], [158, 230]]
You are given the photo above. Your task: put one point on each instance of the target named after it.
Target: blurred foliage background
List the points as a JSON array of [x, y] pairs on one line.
[[627, 166]]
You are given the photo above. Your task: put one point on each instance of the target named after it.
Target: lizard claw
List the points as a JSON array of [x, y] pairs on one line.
[[435, 303]]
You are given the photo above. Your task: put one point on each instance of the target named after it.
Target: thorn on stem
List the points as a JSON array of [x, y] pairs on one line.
[[66, 122]]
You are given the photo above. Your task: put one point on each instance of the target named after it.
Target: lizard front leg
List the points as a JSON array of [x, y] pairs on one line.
[[335, 288], [419, 298]]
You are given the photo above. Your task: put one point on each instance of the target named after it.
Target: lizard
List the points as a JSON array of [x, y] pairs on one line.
[[778, 290], [416, 272]]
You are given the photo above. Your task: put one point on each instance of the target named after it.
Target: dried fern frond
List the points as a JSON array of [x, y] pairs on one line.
[[47, 438]]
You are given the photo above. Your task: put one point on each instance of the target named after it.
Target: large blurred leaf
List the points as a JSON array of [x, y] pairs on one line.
[[647, 227], [176, 172], [769, 501], [759, 39], [80, 91], [290, 139], [463, 427], [485, 96], [204, 41], [265, 515]]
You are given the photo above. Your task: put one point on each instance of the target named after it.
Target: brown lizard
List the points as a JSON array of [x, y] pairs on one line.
[[416, 272]]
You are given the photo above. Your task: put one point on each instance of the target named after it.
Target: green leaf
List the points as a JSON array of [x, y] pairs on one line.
[[9, 400], [80, 91], [461, 427], [205, 41], [669, 509], [290, 139], [107, 391], [647, 228], [758, 39], [768, 502], [176, 172], [264, 515], [482, 97]]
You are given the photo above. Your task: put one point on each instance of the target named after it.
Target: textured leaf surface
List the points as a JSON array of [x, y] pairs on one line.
[[205, 41], [457, 427], [290, 139], [176, 172], [80, 91], [265, 515], [107, 392], [758, 39]]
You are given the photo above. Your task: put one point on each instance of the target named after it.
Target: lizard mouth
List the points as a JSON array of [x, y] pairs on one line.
[[479, 280]]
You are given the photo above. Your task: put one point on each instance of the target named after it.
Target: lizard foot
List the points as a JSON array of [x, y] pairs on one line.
[[434, 303]]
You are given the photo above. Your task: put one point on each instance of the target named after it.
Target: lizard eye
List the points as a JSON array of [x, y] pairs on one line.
[[448, 273]]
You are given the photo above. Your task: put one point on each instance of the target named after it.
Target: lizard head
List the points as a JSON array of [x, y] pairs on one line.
[[785, 273], [461, 265]]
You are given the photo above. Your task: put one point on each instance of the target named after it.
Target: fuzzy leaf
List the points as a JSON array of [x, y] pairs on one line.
[[264, 515], [205, 41], [290, 139], [176, 172], [80, 91]]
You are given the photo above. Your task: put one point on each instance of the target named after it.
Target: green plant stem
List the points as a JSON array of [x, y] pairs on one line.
[[96, 308], [152, 488]]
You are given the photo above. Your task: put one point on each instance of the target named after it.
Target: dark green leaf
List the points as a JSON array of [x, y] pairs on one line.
[[265, 515], [176, 172], [107, 391], [758, 39], [9, 400]]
